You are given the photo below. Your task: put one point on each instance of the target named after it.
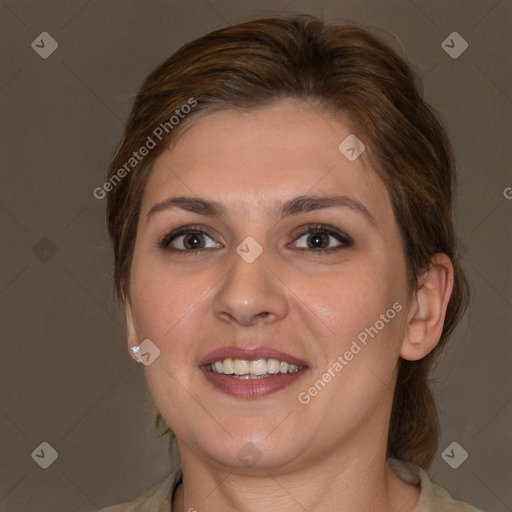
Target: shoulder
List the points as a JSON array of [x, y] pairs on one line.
[[156, 499], [433, 498]]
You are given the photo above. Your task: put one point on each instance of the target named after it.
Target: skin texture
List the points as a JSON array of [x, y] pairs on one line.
[[330, 453]]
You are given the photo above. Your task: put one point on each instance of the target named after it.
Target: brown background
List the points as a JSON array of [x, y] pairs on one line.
[[66, 377]]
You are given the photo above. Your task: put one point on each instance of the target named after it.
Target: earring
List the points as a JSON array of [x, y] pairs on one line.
[[135, 353]]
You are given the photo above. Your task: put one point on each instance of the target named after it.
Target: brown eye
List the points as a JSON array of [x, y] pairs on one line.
[[188, 240], [319, 238], [193, 241]]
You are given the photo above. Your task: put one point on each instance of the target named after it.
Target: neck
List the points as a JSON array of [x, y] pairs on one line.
[[337, 483]]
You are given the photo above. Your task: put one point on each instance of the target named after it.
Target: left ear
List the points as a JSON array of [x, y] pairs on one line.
[[428, 309]]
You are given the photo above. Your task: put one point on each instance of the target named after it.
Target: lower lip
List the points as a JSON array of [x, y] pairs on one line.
[[251, 388]]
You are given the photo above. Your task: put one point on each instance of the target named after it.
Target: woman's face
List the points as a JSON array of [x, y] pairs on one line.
[[247, 280]]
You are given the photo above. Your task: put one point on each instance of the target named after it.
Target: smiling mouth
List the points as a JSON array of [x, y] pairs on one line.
[[251, 373], [256, 369], [252, 379]]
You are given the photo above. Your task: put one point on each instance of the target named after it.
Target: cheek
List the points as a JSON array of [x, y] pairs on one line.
[[350, 299], [163, 301], [360, 354], [167, 311], [359, 319]]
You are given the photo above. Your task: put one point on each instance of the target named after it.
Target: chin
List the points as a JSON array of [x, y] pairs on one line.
[[254, 450], [251, 457]]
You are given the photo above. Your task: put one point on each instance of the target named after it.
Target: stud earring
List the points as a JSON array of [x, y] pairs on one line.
[[135, 353]]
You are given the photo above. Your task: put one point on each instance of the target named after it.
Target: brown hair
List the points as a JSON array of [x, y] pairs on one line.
[[343, 69]]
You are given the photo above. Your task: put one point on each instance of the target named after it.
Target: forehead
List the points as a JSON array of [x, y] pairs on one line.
[[259, 157]]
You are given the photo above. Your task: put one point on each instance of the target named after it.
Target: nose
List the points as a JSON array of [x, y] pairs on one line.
[[251, 293]]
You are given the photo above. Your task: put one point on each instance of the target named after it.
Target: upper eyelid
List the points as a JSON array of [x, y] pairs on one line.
[[182, 231], [341, 236]]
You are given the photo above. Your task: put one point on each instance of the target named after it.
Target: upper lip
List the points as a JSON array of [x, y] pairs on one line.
[[249, 354]]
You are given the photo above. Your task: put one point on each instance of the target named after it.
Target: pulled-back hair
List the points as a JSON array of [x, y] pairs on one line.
[[344, 70]]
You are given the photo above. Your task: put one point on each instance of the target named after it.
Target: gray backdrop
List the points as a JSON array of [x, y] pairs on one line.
[[66, 377]]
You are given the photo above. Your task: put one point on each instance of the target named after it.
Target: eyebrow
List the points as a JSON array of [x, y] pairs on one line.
[[295, 206]]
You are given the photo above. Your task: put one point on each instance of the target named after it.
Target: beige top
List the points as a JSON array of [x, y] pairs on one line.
[[432, 497]]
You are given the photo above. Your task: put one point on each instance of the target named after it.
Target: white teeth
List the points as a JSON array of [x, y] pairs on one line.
[[226, 367], [272, 366], [241, 367], [259, 368]]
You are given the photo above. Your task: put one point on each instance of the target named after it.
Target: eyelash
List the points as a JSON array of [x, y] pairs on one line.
[[345, 240]]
